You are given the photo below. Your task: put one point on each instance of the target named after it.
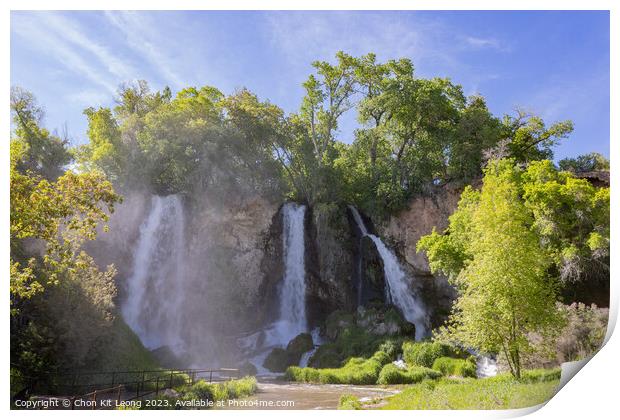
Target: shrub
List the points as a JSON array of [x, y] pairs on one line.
[[349, 402], [450, 366], [235, 388], [424, 353], [357, 370], [202, 391], [390, 374]]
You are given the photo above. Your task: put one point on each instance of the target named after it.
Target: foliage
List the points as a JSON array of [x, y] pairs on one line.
[[235, 388], [455, 367], [505, 291], [356, 370], [349, 402], [585, 163], [61, 302], [424, 353], [203, 391], [582, 336], [584, 333], [33, 148], [390, 374], [571, 216], [500, 392]]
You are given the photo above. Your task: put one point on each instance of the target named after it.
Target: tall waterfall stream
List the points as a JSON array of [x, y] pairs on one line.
[[397, 287], [155, 298]]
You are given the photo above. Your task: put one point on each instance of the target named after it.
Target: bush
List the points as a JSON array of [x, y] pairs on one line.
[[450, 366], [390, 374], [235, 388], [349, 402], [201, 390], [357, 370], [392, 347], [424, 353]]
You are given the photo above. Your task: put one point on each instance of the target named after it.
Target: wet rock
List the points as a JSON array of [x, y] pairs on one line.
[[278, 360], [329, 261], [299, 345]]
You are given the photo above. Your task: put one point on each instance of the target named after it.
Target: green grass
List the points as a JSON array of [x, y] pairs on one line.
[[236, 388], [349, 402], [202, 390], [357, 370], [500, 392], [390, 374], [450, 366]]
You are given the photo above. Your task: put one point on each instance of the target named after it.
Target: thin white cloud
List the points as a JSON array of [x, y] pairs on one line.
[[48, 41], [74, 34], [141, 37], [482, 42]]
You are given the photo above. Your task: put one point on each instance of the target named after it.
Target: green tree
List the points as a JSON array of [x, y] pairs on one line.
[[500, 269], [34, 149], [527, 138], [585, 163], [50, 274]]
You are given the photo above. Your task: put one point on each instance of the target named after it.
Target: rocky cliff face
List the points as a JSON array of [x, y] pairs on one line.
[[228, 246], [403, 231], [329, 261], [422, 215]]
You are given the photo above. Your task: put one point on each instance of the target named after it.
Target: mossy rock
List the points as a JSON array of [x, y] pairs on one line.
[[278, 360], [336, 322], [299, 345]]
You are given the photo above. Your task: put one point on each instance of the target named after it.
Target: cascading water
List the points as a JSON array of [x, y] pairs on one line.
[[486, 367], [292, 306], [317, 341], [293, 292], [397, 290], [155, 290]]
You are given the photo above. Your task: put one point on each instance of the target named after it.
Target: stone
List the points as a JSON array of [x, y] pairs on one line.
[[277, 360], [299, 345]]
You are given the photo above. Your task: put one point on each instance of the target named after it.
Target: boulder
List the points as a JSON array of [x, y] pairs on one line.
[[299, 345], [278, 360]]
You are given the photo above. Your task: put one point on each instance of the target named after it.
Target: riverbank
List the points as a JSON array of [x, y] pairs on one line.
[[282, 395]]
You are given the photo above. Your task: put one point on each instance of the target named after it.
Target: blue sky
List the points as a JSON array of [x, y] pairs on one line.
[[555, 64]]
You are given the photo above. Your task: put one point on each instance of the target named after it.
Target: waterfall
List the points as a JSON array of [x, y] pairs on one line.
[[397, 289], [292, 319], [317, 341], [292, 296], [486, 367], [155, 290]]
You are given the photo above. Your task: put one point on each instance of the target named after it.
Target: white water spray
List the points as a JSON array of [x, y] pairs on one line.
[[397, 290], [293, 291], [292, 316], [156, 292]]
